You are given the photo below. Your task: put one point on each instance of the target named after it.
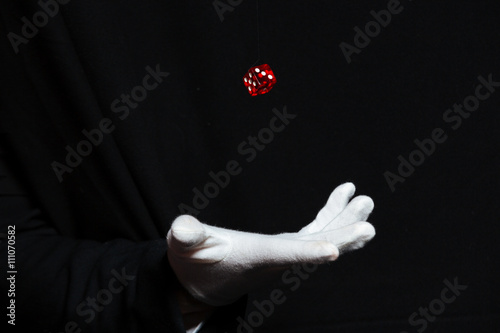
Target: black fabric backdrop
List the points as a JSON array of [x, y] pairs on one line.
[[353, 121]]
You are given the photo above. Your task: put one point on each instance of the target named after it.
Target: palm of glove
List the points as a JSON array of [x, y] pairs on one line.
[[217, 265]]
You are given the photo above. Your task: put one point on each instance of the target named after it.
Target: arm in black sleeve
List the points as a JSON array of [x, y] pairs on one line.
[[69, 285]]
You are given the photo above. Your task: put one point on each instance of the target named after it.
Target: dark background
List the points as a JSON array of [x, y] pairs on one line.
[[353, 121]]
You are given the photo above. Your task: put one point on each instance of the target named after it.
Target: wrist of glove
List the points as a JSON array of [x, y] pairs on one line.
[[217, 266]]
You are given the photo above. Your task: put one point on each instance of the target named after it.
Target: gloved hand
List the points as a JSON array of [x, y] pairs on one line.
[[217, 266]]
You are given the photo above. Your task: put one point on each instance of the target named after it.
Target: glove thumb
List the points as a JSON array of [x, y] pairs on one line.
[[186, 232]]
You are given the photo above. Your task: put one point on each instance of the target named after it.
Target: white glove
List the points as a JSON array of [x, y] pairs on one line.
[[217, 266]]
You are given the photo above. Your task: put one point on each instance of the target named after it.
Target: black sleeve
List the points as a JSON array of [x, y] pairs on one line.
[[68, 285]]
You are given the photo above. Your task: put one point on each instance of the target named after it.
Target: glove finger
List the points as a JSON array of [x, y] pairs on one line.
[[351, 237], [357, 210], [336, 203], [277, 251]]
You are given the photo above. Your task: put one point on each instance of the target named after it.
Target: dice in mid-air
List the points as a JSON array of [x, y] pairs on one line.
[[259, 80]]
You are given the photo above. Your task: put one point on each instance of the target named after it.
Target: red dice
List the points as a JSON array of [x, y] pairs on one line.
[[259, 80]]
